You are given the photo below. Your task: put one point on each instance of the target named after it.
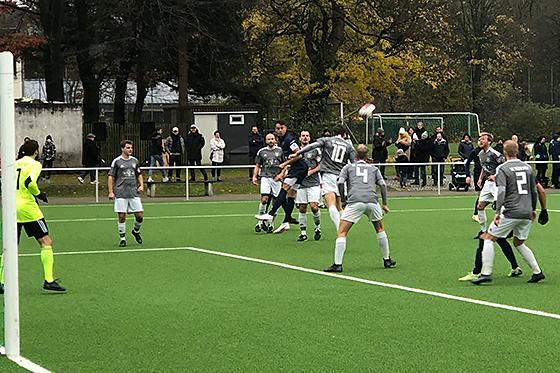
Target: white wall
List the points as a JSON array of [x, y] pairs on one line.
[[206, 124]]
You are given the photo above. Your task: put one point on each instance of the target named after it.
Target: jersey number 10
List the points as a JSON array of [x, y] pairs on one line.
[[338, 153]]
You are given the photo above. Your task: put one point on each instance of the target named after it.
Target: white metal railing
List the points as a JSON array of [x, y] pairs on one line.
[[442, 165]]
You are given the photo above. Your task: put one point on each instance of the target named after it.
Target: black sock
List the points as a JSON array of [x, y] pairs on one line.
[[270, 198], [279, 201], [476, 207], [478, 258], [290, 203], [508, 252]]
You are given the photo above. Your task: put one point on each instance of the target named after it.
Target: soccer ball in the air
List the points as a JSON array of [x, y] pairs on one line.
[[366, 110]]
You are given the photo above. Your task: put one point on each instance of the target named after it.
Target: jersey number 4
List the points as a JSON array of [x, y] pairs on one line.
[[363, 173], [338, 153], [521, 181]]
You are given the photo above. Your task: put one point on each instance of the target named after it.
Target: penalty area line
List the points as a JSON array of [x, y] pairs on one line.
[[321, 273]]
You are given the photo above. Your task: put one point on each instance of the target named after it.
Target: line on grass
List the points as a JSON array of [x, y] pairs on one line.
[[321, 273], [24, 363]]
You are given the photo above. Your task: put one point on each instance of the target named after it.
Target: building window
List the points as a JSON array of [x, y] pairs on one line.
[[236, 119]]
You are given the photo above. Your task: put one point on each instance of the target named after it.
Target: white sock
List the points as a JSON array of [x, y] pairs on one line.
[[303, 222], [529, 257], [335, 216], [482, 219], [383, 244], [122, 229], [487, 257], [339, 248], [317, 219], [262, 208], [137, 226]]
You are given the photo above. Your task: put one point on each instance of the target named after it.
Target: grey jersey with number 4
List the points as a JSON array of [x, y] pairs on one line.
[[362, 179], [269, 159], [490, 160], [517, 191], [125, 173], [336, 152]]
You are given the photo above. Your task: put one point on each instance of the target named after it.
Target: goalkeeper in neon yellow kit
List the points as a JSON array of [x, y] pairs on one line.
[[29, 215]]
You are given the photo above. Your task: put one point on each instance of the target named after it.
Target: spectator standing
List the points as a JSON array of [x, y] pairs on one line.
[[217, 146], [465, 147], [156, 154], [413, 139], [175, 147], [21, 152], [440, 151], [541, 154], [256, 142], [195, 143], [522, 156], [48, 155], [422, 155], [499, 147], [90, 158], [380, 145], [554, 151], [402, 168], [403, 141], [420, 129]]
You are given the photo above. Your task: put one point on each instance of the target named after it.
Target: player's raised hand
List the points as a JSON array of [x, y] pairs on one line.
[[111, 196]]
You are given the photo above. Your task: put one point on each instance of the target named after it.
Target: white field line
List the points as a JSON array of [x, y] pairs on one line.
[[321, 273], [231, 215]]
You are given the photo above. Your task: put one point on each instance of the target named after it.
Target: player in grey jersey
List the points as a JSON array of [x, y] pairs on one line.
[[267, 167], [309, 192], [515, 210], [361, 179], [336, 153], [125, 183]]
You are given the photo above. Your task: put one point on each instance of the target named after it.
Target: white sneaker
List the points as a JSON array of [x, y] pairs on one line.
[[281, 228], [80, 180], [165, 179], [150, 180], [264, 217], [93, 182]]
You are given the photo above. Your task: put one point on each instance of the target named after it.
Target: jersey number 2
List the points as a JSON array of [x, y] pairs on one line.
[[363, 173], [521, 181]]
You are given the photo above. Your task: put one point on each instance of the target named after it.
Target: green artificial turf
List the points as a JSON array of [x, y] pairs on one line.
[[178, 311]]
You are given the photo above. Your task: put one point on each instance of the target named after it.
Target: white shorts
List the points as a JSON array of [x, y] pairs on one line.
[[308, 195], [128, 205], [329, 184], [292, 182], [354, 211], [269, 186], [520, 228], [488, 192]]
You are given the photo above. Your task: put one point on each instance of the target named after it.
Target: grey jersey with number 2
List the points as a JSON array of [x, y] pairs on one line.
[[125, 173], [517, 191], [336, 153], [362, 180]]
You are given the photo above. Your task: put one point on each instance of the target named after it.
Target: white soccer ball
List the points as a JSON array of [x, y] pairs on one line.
[[366, 110]]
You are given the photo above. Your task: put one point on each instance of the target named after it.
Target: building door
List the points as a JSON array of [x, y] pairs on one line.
[[206, 124]]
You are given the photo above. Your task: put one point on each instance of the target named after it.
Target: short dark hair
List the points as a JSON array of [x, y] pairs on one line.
[[125, 143], [339, 130], [217, 131], [30, 147], [280, 122]]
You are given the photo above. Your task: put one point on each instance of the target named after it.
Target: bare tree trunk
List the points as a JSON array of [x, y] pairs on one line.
[[51, 15], [141, 93], [121, 85]]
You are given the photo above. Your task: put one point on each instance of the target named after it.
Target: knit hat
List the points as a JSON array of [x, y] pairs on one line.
[[402, 131]]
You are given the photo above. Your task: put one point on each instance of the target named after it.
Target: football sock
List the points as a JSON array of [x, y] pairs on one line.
[[262, 208], [47, 258], [383, 244], [270, 199], [478, 257], [138, 224], [122, 229], [339, 248], [279, 201], [508, 252], [487, 257], [335, 216], [317, 219], [475, 207], [529, 257], [303, 223], [290, 203], [482, 219]]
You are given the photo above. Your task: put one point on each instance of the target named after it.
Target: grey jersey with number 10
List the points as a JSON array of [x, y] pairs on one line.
[[517, 191], [362, 179], [336, 152]]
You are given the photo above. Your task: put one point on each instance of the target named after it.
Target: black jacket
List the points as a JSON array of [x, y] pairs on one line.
[[90, 154], [380, 145], [440, 149], [423, 150], [541, 152], [194, 144], [156, 146], [465, 149], [256, 143]]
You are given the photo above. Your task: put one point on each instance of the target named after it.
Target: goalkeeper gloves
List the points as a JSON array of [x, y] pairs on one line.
[[543, 217], [43, 197]]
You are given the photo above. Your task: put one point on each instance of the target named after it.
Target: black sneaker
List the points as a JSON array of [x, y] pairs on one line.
[[337, 268], [53, 286], [137, 236], [258, 227], [482, 279], [270, 229], [291, 220], [389, 263], [536, 277], [317, 235], [302, 237], [122, 243], [478, 235]]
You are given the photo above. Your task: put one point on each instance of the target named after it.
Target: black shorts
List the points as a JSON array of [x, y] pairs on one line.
[[37, 229]]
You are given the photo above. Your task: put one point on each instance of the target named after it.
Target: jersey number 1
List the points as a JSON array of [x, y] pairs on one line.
[[521, 181]]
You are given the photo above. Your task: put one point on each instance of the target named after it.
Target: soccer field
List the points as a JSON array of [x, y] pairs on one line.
[[181, 302]]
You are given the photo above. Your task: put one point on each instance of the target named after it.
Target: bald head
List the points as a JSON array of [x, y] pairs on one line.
[[362, 152], [511, 149]]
